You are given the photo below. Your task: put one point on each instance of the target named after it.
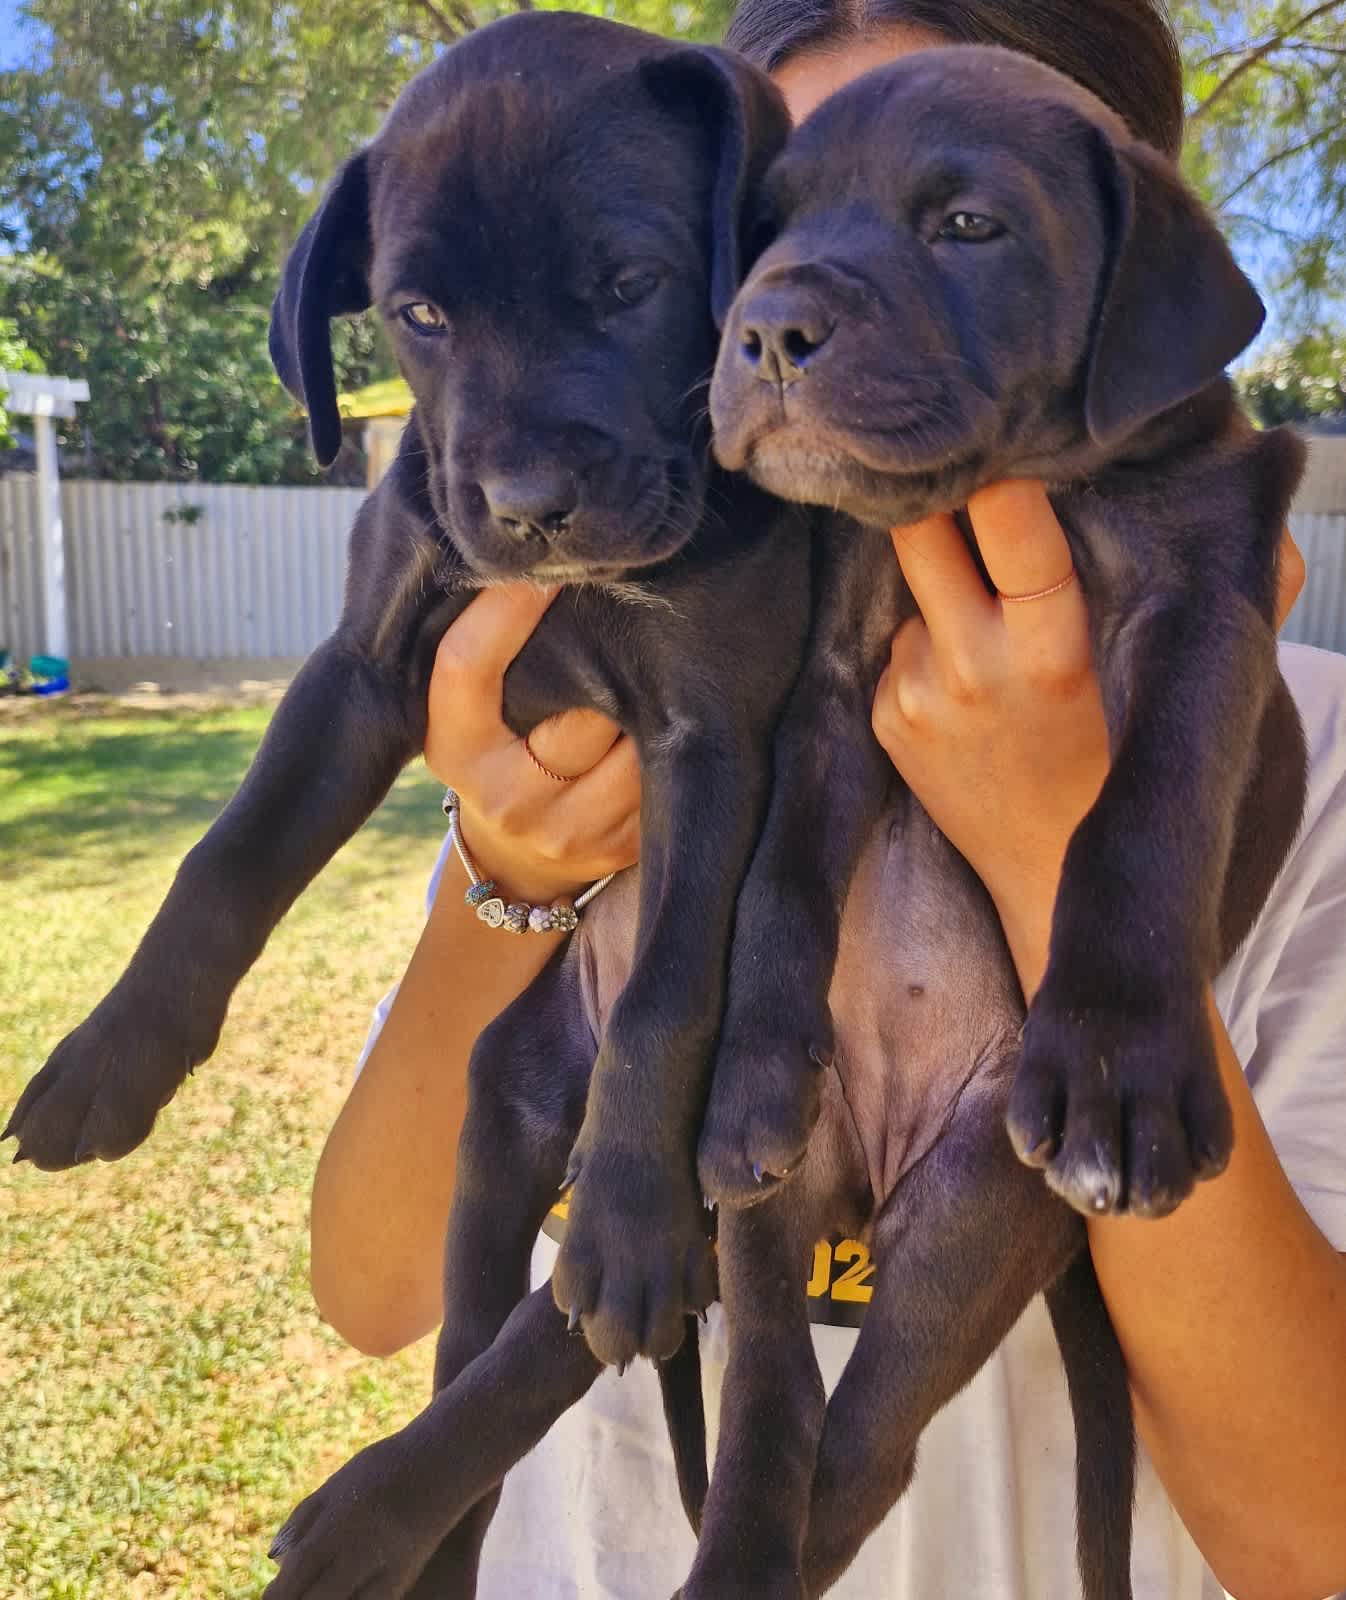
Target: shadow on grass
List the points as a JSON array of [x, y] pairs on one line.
[[99, 783]]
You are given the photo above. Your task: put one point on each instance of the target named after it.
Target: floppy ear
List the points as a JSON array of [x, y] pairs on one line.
[[1175, 309], [326, 276], [742, 114]]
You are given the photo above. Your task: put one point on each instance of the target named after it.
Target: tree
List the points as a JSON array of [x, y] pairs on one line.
[[16, 355], [1266, 139], [1296, 381]]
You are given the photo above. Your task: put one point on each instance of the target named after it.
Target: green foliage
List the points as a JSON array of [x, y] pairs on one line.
[[16, 355], [1298, 380]]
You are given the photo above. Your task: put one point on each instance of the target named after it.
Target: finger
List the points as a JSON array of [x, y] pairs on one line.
[[1022, 543], [903, 696], [573, 742], [597, 819], [943, 577], [1291, 573], [605, 796], [475, 653]]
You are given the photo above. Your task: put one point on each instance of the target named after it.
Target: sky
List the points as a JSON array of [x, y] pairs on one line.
[[16, 40]]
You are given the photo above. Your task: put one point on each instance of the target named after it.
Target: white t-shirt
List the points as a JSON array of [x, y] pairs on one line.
[[593, 1513]]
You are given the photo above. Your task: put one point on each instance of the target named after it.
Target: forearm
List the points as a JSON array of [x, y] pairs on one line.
[[1232, 1318], [384, 1182]]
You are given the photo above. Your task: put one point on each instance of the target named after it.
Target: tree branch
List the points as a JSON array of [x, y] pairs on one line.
[[1275, 159], [443, 26], [1250, 220], [1259, 54]]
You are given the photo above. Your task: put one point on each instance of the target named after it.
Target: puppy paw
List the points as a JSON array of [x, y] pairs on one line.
[[636, 1258], [764, 1102], [103, 1085], [357, 1536], [1123, 1112]]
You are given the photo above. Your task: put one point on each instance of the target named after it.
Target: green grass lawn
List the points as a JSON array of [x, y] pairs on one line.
[[169, 1390]]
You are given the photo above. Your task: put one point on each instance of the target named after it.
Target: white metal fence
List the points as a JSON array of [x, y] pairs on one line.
[[220, 572], [191, 570]]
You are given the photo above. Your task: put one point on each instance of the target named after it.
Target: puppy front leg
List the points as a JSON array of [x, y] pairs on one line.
[[1118, 1095], [337, 741], [830, 776], [636, 1258]]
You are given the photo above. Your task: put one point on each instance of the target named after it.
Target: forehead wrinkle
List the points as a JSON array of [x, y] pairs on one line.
[[499, 184]]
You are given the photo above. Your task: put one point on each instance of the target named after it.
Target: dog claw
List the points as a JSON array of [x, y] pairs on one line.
[[573, 1320], [19, 1155], [758, 1170], [621, 1368]]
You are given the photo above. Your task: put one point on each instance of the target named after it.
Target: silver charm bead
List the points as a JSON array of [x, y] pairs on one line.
[[564, 917], [539, 920], [516, 917], [492, 912]]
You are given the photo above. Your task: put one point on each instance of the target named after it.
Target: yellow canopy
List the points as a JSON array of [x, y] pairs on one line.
[[391, 398]]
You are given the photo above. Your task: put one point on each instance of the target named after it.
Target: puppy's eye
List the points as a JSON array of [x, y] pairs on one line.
[[422, 317], [969, 227], [630, 288]]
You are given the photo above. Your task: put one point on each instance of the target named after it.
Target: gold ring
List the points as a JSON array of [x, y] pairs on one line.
[[1038, 594], [546, 771]]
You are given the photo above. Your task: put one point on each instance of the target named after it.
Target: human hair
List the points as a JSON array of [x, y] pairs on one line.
[[1123, 50]]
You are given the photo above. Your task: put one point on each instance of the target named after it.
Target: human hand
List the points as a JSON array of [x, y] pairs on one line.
[[539, 838], [992, 712]]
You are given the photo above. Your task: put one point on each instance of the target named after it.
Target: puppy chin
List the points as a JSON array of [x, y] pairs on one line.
[[803, 465]]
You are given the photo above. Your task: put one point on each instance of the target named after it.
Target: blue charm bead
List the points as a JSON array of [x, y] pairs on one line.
[[477, 893]]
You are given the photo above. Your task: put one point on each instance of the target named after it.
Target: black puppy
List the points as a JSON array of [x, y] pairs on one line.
[[979, 276], [549, 224]]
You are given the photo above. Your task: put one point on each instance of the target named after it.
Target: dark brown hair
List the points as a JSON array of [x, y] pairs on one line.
[[1123, 50]]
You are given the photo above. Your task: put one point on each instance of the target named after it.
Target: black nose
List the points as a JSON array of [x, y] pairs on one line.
[[779, 335], [536, 503]]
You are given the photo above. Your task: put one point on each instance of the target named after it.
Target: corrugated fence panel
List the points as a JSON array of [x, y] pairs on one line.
[[1323, 489], [1320, 615], [20, 567], [190, 570], [261, 572]]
